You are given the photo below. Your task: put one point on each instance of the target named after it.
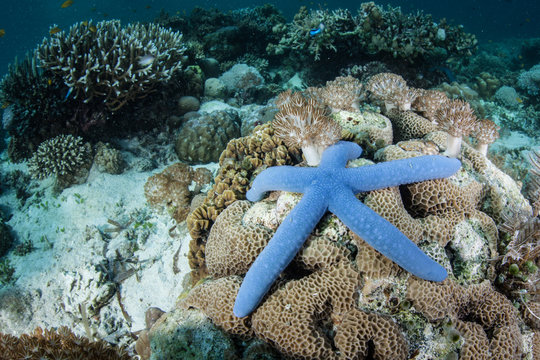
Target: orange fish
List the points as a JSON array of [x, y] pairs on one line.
[[66, 4], [54, 30]]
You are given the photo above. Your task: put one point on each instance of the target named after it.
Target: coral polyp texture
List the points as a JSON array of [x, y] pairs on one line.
[[458, 120], [112, 64], [57, 344], [66, 157], [322, 191], [305, 123], [386, 32], [486, 132], [201, 139], [174, 188], [391, 91]]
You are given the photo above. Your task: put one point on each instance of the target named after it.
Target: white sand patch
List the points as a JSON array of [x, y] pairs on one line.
[[80, 256]]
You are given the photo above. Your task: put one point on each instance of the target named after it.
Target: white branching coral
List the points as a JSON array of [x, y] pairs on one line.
[[392, 91], [110, 63], [305, 124], [63, 156], [458, 120], [486, 132]]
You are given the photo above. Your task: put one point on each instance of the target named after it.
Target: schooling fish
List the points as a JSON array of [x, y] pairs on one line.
[[316, 31]]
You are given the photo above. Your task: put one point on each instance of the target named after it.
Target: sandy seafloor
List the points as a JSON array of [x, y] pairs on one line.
[[76, 246], [78, 250]]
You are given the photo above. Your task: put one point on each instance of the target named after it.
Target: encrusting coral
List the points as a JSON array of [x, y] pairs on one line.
[[322, 193], [110, 63], [479, 303], [173, 188], [452, 221], [57, 344]]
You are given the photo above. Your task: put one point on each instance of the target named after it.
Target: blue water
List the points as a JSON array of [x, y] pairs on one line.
[[27, 22]]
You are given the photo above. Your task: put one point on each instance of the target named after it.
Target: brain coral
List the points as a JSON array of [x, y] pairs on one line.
[[202, 139]]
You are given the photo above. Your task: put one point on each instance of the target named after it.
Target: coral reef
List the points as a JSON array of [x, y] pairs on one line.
[[112, 64], [530, 80], [322, 193], [305, 124], [57, 344], [174, 188], [108, 159], [34, 110], [201, 139], [66, 157], [374, 31]]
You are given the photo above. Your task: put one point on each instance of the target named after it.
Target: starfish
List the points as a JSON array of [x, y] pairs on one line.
[[331, 186]]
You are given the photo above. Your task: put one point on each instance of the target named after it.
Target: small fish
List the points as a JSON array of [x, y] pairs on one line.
[[85, 23], [92, 28], [146, 60], [2, 32], [519, 100], [49, 82], [68, 93], [317, 30], [66, 4], [54, 30], [148, 7], [5, 105]]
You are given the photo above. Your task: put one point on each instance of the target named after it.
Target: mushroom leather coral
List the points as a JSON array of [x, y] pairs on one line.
[[331, 186]]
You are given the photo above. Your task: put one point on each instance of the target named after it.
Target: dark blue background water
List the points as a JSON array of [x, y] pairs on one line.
[[27, 22]]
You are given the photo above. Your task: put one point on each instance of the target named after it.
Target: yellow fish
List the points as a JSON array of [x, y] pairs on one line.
[[66, 4], [92, 28], [85, 23], [5, 105], [49, 81], [519, 100], [2, 32], [54, 30]]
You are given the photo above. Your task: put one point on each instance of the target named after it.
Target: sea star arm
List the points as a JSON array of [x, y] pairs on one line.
[[403, 171], [286, 178], [281, 249], [384, 237], [337, 155]]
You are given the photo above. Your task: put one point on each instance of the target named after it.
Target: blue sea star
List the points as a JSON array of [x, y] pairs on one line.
[[331, 186]]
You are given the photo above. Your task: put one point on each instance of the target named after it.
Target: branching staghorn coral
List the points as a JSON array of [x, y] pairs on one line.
[[305, 124], [337, 26], [111, 63]]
